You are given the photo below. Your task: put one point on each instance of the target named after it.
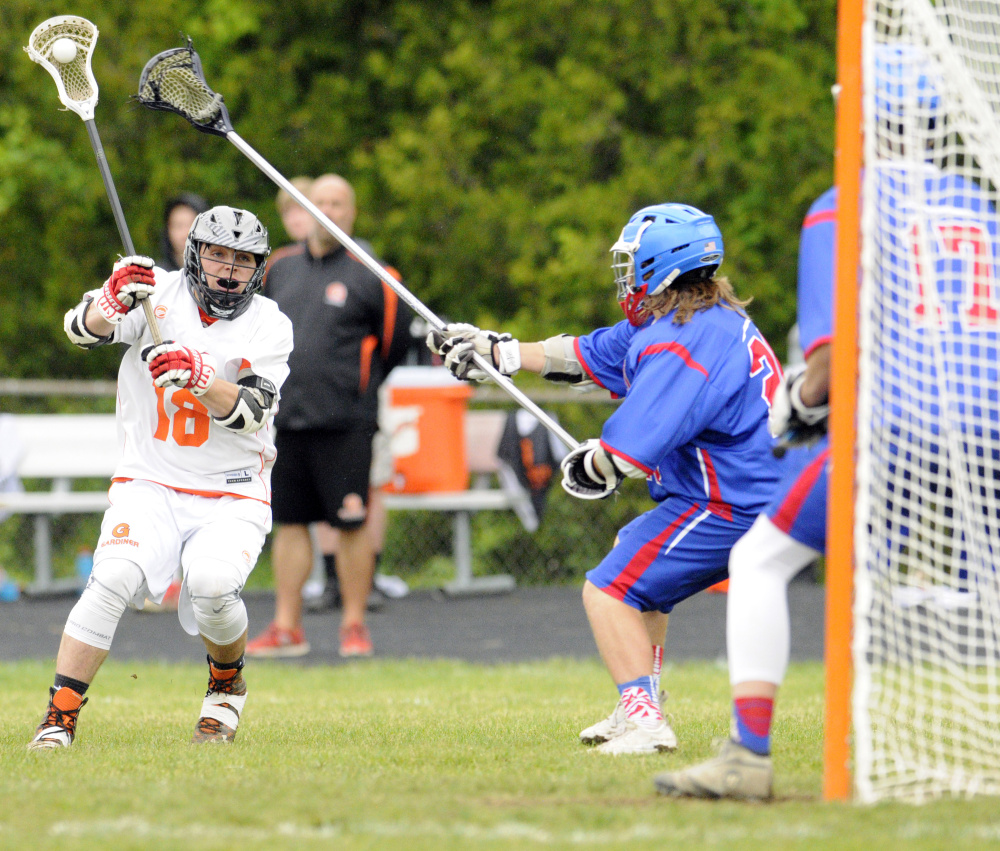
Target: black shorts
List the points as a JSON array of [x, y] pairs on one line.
[[321, 474]]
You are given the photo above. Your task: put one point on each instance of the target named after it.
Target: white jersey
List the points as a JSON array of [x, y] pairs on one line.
[[167, 435]]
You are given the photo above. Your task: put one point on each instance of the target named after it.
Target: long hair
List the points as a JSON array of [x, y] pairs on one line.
[[691, 293]]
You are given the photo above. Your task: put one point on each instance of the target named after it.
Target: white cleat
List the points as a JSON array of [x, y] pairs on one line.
[[639, 739], [50, 738], [613, 726], [607, 728], [221, 710], [735, 773]]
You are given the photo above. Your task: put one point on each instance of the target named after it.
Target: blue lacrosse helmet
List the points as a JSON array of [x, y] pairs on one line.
[[905, 83], [657, 246]]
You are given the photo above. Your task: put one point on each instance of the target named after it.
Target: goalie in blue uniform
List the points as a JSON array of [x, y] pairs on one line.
[[696, 378]]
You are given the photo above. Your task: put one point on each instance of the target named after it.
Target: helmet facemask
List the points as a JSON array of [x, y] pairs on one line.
[[631, 295], [230, 228]]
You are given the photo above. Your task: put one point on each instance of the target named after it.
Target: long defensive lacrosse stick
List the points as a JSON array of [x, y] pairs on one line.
[[63, 46], [174, 82]]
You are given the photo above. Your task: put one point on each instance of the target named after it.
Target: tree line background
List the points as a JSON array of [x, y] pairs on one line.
[[497, 147]]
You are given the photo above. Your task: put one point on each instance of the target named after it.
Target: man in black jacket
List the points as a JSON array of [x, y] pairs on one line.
[[350, 330]]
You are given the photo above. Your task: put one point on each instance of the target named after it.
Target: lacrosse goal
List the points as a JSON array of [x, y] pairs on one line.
[[916, 459]]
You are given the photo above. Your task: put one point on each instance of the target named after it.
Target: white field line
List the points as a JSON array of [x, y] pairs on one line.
[[513, 830]]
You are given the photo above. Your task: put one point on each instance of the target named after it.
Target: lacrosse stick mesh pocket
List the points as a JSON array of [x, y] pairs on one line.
[[73, 74], [171, 81]]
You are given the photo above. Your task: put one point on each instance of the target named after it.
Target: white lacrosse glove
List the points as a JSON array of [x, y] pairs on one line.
[[790, 419], [131, 281], [458, 342], [174, 365], [589, 472]]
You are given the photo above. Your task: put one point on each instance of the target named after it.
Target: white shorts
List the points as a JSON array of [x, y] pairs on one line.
[[160, 529]]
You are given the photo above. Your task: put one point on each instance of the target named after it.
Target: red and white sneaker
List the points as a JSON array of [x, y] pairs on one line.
[[278, 643], [646, 730], [616, 724], [355, 641]]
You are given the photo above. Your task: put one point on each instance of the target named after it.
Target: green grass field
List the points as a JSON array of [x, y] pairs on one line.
[[420, 755]]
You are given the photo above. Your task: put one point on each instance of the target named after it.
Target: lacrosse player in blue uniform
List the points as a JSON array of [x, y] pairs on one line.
[[787, 537], [696, 378]]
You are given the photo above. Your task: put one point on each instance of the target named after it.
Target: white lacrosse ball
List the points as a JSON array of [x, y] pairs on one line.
[[64, 50]]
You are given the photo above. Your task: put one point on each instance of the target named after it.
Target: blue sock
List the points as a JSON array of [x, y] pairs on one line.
[[645, 683]]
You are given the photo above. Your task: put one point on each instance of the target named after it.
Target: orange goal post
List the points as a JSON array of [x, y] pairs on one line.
[[913, 590]]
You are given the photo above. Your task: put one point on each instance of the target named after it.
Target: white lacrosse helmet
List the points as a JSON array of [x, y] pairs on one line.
[[232, 228]]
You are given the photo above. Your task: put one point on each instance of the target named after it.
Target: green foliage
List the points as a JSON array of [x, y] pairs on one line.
[[497, 147]]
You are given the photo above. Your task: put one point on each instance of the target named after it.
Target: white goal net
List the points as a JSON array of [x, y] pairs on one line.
[[926, 705]]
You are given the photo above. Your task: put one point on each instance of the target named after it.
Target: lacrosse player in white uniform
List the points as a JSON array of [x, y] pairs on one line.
[[192, 487]]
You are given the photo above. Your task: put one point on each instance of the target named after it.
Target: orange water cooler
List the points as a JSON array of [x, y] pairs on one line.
[[423, 415]]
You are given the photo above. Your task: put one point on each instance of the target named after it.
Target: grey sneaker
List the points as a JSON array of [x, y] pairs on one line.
[[735, 773]]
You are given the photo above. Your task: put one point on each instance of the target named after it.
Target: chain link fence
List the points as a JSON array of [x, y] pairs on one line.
[[572, 537]]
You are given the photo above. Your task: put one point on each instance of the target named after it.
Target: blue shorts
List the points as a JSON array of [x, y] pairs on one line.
[[799, 505], [668, 554]]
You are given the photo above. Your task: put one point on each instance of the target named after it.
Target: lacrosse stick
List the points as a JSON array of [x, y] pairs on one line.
[[174, 82], [63, 46]]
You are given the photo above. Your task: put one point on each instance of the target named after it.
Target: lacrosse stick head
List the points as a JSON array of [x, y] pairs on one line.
[[74, 79], [174, 82]]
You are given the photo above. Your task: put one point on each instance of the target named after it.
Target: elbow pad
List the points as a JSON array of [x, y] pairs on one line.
[[76, 329], [562, 364], [256, 404]]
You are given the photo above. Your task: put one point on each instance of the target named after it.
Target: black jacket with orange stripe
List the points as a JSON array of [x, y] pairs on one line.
[[350, 329]]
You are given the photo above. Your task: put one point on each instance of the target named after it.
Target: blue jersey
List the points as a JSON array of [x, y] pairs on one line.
[[696, 400], [799, 504], [816, 273], [602, 355], [939, 340]]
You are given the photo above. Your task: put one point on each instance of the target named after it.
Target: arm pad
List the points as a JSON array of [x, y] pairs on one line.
[[562, 364], [76, 329], [256, 404]]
